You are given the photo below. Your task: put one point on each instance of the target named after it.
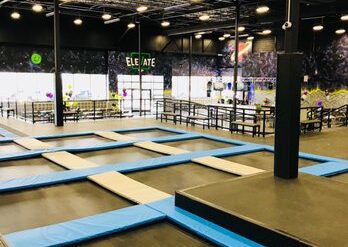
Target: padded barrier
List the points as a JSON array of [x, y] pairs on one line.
[[160, 148], [103, 146], [7, 134], [200, 226], [128, 188], [326, 169], [75, 175], [85, 228], [69, 160], [227, 166], [114, 136], [32, 144]]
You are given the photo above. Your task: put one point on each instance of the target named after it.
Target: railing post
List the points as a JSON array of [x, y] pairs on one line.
[[264, 124], [33, 111], [94, 115], [346, 115], [25, 111], [156, 110], [16, 107]]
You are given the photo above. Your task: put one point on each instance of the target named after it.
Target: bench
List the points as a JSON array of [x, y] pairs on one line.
[[310, 125], [254, 126], [8, 111], [170, 114], [192, 119]]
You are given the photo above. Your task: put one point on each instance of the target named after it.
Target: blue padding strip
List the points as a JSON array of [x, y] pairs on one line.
[[7, 134], [87, 228], [75, 175], [326, 169], [96, 147], [200, 226]]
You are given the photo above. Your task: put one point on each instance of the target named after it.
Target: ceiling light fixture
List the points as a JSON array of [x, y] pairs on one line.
[[340, 31], [241, 29], [165, 23], [131, 25], [198, 36], [37, 8], [262, 9], [221, 38], [142, 8], [344, 18], [112, 21], [266, 32], [227, 35], [15, 15], [318, 28], [204, 17], [250, 38], [78, 21], [106, 17]]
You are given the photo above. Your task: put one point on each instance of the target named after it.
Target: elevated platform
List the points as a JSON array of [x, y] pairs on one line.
[[309, 211]]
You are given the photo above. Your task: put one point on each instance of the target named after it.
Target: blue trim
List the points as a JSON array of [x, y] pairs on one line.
[[200, 226], [7, 134], [326, 169], [87, 228], [76, 175]]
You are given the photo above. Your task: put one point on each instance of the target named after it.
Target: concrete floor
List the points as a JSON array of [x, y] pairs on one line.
[[331, 142]]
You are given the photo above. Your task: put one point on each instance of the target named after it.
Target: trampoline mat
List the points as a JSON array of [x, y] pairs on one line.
[[199, 144], [118, 155], [76, 141], [341, 178], [163, 234], [26, 168], [145, 134], [262, 160], [54, 204], [10, 148], [172, 178]]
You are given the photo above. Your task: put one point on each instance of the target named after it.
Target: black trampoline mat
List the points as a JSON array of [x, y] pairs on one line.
[[76, 141], [11, 148], [55, 204], [341, 178], [262, 160], [25, 168], [145, 134], [118, 155], [172, 178], [163, 234], [199, 144]]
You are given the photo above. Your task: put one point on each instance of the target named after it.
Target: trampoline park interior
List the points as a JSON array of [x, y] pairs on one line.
[[174, 123]]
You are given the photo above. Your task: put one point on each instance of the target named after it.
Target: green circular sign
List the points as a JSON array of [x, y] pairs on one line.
[[36, 58]]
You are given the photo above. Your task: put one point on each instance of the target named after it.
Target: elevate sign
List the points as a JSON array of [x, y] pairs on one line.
[[147, 62]]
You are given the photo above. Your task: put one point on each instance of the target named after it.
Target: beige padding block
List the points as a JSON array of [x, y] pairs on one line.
[[69, 160], [3, 242], [227, 166], [160, 148], [128, 188], [114, 136], [32, 144]]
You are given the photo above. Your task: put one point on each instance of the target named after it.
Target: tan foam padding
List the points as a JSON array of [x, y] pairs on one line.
[[114, 136], [3, 242], [160, 148], [69, 160], [227, 166], [128, 188], [32, 144]]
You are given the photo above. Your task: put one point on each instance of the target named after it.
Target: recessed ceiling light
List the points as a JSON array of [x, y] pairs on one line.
[[221, 38], [106, 17], [266, 32], [201, 33], [198, 36], [227, 35], [250, 38], [344, 18], [37, 8], [241, 29], [340, 31], [262, 9], [318, 28], [131, 25], [142, 8], [165, 23], [15, 15], [78, 21], [204, 17]]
